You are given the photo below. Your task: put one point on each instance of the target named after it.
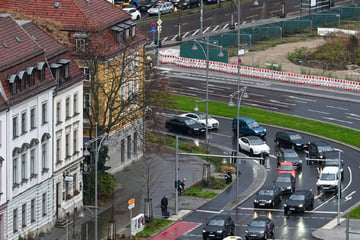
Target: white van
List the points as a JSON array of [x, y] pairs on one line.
[[328, 180]]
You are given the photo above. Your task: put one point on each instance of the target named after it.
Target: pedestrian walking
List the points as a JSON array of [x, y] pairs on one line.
[[164, 204], [149, 61]]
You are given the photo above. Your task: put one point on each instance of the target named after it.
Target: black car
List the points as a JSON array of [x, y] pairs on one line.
[[289, 155], [320, 150], [145, 5], [185, 125], [190, 4], [260, 228], [286, 182], [289, 139], [218, 227], [268, 196], [299, 201]]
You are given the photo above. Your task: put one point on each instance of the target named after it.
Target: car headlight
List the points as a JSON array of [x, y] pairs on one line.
[[288, 187], [219, 231], [301, 205], [256, 200], [321, 157], [285, 205], [268, 201], [300, 161], [246, 231], [204, 231]]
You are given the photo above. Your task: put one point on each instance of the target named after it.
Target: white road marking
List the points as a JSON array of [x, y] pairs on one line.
[[187, 33], [281, 210], [354, 118], [164, 39], [279, 102], [215, 28], [304, 99], [311, 110], [226, 25], [299, 101], [349, 196], [195, 32], [209, 211], [345, 109], [353, 115], [338, 120], [207, 29], [174, 38]]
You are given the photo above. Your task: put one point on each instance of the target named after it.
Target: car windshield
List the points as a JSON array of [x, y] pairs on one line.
[[297, 197], [253, 124], [325, 148], [258, 224], [202, 115], [256, 141], [216, 222], [295, 137], [266, 192], [286, 168], [328, 176], [332, 162], [190, 121], [290, 154], [283, 179]]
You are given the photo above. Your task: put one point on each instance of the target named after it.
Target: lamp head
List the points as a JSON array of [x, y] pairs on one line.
[[86, 151]]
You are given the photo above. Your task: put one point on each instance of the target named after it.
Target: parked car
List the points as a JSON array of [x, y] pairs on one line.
[[190, 4], [267, 196], [261, 227], [289, 155], [328, 180], [289, 139], [185, 125], [319, 150], [135, 14], [218, 227], [164, 7], [145, 5], [253, 145], [176, 3], [248, 126], [200, 117], [286, 182], [287, 167], [299, 201]]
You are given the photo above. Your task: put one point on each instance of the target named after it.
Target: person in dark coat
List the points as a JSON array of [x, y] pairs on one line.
[[164, 204]]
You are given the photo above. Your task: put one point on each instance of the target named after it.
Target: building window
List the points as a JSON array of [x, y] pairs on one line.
[[75, 141], [67, 145], [66, 71], [80, 44], [23, 215], [129, 147], [14, 88], [44, 204], [58, 112], [15, 221], [44, 113], [32, 210], [122, 153], [32, 118], [32, 162], [42, 74], [23, 167], [136, 88], [15, 173], [15, 127], [75, 104], [22, 84], [23, 123], [32, 79], [130, 90], [67, 107], [86, 73], [44, 156], [87, 104], [58, 150]]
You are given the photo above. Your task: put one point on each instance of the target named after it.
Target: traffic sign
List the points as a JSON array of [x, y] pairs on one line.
[[131, 201], [159, 22], [153, 25], [131, 206], [153, 30]]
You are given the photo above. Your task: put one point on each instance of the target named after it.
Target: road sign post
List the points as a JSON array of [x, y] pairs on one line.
[[131, 205]]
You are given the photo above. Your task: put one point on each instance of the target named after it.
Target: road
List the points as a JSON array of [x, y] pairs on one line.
[[316, 103]]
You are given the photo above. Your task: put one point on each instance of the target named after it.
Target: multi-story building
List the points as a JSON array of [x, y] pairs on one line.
[[98, 28], [37, 73]]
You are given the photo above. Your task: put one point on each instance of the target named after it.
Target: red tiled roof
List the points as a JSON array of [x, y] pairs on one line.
[[75, 15], [16, 45]]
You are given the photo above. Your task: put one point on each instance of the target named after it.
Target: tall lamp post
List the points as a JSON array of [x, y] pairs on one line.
[[103, 141], [206, 54], [240, 94]]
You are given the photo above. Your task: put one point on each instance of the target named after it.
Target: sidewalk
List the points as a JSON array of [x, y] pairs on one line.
[[332, 231]]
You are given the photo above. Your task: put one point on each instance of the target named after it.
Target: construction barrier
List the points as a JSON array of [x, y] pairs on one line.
[[167, 57]]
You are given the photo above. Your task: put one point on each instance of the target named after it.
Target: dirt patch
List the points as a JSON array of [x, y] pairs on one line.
[[278, 55]]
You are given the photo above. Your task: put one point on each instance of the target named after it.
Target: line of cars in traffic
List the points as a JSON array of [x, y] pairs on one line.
[[289, 143]]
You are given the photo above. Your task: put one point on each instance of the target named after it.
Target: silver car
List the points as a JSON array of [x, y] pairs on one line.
[[163, 7]]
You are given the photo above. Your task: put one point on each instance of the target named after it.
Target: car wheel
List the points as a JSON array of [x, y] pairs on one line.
[[251, 152], [138, 17], [277, 142]]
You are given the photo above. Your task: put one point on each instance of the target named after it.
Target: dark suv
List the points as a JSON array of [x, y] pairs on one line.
[[218, 227], [289, 139], [268, 196], [319, 151], [190, 4]]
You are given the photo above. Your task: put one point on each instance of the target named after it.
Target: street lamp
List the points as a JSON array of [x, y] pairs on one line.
[[240, 94], [103, 141], [206, 54]]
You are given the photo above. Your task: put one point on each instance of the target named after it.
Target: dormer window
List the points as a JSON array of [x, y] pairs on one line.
[[132, 28], [40, 66], [22, 80], [30, 73], [55, 68], [12, 83], [80, 41], [65, 67], [122, 32]]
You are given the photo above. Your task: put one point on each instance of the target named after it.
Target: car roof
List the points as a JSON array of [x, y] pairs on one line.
[[300, 192], [288, 132], [220, 216], [287, 150], [320, 143], [286, 163], [262, 218], [330, 169], [268, 187], [285, 175], [252, 137], [245, 119]]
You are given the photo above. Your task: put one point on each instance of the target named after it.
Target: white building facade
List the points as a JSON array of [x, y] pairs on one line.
[[3, 177]]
